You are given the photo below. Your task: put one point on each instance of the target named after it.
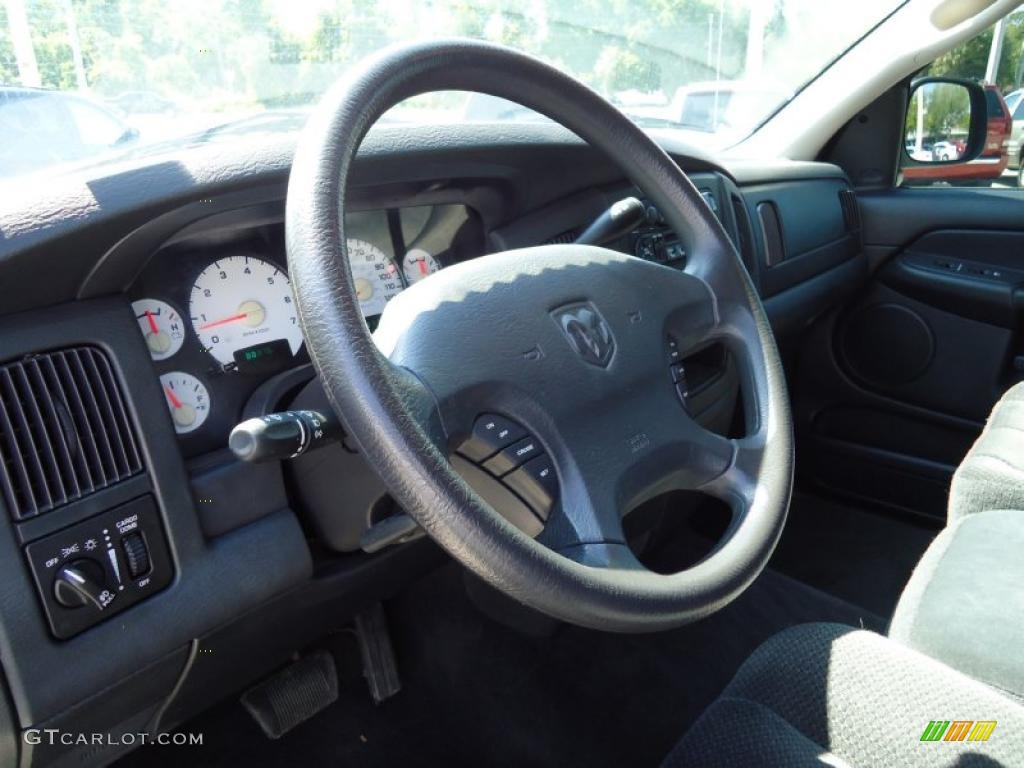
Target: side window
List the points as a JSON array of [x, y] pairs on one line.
[[937, 125]]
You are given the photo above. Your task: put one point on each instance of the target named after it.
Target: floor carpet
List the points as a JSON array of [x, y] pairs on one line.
[[476, 693], [860, 555]]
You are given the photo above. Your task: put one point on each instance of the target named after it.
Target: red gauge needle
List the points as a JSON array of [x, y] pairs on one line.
[[153, 327], [225, 321], [423, 266], [173, 397]]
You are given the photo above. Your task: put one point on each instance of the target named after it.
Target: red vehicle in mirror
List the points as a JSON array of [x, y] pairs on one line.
[[993, 159]]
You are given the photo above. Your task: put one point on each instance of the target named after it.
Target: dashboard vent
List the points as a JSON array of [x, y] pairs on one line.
[[64, 430], [743, 241], [771, 232], [851, 211]]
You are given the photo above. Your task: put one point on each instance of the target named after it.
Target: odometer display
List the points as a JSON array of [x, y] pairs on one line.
[[263, 358], [241, 301]]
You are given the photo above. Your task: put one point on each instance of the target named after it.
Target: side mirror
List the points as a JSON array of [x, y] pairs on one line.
[[945, 132]]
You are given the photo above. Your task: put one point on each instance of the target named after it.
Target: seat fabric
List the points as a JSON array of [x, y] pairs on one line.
[[991, 476], [964, 604], [827, 694]]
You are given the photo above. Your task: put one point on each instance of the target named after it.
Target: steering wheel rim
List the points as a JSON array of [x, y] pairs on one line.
[[401, 393]]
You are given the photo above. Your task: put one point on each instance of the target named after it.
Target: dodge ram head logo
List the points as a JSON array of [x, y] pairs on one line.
[[587, 332]]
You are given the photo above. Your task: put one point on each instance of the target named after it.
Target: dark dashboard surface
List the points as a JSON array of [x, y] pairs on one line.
[[173, 268]]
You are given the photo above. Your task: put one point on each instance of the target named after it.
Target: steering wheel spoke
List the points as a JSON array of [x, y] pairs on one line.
[[644, 445], [420, 403]]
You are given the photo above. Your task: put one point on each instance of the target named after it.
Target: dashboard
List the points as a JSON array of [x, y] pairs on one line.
[[160, 288], [219, 319]]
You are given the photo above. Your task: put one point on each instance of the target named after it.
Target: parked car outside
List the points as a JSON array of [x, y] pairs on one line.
[[944, 151], [716, 106], [144, 102], [999, 124], [40, 128], [924, 154], [1015, 146]]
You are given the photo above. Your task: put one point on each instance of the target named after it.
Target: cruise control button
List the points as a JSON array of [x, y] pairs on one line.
[[683, 394], [513, 456], [491, 433], [536, 483], [674, 355]]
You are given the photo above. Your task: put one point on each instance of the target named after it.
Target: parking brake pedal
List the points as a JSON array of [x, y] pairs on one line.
[[294, 694], [379, 666]]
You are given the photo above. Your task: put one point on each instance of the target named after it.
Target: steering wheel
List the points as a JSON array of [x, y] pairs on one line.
[[572, 342]]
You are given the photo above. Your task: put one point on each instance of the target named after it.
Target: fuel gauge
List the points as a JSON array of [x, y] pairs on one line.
[[161, 326]]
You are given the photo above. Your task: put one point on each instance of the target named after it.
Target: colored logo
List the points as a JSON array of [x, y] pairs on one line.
[[958, 730]]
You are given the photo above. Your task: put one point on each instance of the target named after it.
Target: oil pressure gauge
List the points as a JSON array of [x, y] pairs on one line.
[[187, 399], [161, 327]]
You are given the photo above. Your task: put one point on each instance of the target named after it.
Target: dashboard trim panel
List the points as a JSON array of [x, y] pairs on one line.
[[196, 601]]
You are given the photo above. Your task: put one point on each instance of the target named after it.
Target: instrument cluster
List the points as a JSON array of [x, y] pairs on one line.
[[219, 317]]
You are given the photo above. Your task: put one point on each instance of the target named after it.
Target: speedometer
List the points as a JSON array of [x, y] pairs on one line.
[[375, 275], [241, 301]]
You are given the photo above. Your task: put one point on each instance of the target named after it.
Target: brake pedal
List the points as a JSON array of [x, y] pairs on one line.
[[379, 665], [294, 694]]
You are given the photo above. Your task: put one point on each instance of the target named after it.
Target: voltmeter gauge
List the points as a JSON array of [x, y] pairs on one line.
[[161, 327], [187, 399]]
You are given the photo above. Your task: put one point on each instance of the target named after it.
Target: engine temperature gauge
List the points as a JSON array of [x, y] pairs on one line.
[[161, 326], [187, 399]]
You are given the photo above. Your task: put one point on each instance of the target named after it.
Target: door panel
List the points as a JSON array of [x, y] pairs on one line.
[[892, 389]]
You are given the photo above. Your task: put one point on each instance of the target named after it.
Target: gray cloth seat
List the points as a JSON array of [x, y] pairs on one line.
[[964, 604], [830, 695], [991, 476], [824, 694]]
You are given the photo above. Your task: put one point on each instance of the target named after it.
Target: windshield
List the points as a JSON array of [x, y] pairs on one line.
[[81, 80]]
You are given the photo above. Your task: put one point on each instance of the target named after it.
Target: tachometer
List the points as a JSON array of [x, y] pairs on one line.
[[375, 275], [240, 301]]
